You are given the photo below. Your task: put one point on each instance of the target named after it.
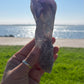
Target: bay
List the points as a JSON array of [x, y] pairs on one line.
[[60, 31]]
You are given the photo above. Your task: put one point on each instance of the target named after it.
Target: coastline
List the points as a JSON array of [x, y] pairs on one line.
[[12, 41]]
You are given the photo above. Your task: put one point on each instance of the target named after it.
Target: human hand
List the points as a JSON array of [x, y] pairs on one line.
[[18, 73]]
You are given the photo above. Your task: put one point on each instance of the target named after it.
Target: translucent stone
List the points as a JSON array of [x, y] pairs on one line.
[[44, 15]]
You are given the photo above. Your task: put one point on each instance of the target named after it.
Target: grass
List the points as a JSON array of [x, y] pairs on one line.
[[68, 68]]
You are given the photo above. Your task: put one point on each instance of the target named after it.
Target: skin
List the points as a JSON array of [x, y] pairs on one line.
[[44, 15], [18, 73]]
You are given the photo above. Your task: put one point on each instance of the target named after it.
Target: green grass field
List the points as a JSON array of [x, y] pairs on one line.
[[68, 68]]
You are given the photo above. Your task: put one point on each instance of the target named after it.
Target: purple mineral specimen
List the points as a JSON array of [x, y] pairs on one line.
[[44, 15]]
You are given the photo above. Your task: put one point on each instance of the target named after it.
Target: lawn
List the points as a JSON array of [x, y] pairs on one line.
[[68, 68]]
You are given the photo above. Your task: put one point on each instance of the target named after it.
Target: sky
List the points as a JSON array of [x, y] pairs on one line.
[[18, 12]]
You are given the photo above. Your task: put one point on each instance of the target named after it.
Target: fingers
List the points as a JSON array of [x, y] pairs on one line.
[[31, 59], [29, 52], [20, 71], [55, 50], [55, 57], [53, 40], [37, 71], [22, 54], [33, 56], [26, 49]]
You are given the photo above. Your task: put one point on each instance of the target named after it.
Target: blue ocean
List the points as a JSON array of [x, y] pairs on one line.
[[60, 31]]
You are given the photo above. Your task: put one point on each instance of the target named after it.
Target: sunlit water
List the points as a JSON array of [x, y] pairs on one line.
[[61, 31]]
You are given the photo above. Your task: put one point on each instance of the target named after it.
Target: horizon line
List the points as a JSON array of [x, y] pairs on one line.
[[35, 24]]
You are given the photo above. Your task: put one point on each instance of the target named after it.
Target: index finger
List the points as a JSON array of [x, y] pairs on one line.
[[26, 49]]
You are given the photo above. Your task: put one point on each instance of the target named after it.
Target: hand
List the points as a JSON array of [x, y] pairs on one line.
[[18, 73]]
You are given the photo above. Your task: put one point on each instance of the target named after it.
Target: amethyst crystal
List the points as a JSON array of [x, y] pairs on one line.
[[44, 15]]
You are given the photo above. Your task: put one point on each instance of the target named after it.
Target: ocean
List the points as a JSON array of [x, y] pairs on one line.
[[60, 31]]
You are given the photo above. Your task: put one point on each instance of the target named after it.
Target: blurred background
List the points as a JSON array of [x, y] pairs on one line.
[[16, 19]]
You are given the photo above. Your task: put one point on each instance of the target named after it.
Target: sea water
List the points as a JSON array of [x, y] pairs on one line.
[[60, 31]]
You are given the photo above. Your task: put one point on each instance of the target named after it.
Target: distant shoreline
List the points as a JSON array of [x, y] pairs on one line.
[[7, 35]]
